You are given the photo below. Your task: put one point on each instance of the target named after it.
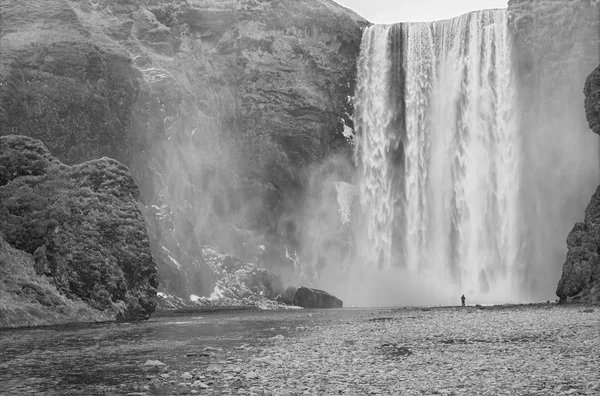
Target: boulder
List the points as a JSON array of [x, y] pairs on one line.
[[287, 297], [310, 298], [82, 224]]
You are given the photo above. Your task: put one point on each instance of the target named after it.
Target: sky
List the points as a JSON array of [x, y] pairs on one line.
[[392, 11]]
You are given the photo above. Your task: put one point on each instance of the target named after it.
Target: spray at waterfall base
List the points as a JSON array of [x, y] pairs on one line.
[[448, 194]]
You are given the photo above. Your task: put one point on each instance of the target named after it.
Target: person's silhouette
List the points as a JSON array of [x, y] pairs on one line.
[[462, 300]]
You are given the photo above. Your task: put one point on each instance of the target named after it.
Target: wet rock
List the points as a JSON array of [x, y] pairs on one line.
[[311, 298], [287, 297], [186, 376], [252, 375]]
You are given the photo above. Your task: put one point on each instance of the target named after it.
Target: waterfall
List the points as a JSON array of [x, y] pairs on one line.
[[439, 154]]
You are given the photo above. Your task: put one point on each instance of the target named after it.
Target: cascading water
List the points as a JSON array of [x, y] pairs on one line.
[[439, 154]]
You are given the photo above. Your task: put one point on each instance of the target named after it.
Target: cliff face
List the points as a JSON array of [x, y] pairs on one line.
[[219, 108], [82, 225], [556, 44], [62, 84], [580, 279]]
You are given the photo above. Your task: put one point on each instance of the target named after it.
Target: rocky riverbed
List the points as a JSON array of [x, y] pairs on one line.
[[539, 349]]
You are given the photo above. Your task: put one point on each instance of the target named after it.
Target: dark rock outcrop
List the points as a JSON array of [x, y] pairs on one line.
[[81, 223], [580, 281], [310, 298], [592, 100]]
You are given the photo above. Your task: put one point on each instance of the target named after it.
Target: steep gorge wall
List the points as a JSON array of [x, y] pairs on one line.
[[219, 108]]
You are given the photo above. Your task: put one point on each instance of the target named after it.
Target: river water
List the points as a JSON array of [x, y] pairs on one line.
[[101, 359]]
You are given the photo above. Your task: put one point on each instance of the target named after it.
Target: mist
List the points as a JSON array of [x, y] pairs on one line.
[[413, 238]]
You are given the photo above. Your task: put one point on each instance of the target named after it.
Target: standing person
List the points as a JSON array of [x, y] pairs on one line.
[[462, 300]]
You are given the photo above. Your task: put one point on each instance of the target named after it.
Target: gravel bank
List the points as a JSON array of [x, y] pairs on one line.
[[517, 350], [535, 350]]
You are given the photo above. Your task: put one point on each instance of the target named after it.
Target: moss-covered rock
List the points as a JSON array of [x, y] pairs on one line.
[[592, 100], [29, 299], [580, 281], [81, 223]]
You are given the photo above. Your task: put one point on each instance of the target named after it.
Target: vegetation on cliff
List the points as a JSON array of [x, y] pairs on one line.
[[82, 224], [29, 299], [580, 281]]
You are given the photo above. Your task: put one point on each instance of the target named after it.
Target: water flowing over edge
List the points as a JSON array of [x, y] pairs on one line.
[[439, 154]]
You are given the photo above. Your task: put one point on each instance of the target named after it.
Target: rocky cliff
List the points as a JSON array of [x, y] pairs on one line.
[[80, 227], [219, 108], [580, 279]]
